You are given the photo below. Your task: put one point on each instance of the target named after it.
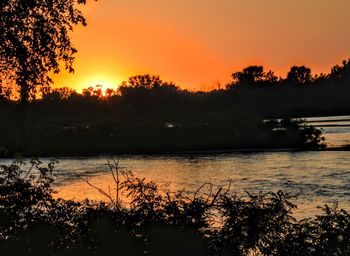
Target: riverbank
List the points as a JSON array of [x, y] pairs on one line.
[[179, 153]]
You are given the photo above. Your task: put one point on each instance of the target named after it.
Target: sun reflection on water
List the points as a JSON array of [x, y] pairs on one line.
[[316, 178]]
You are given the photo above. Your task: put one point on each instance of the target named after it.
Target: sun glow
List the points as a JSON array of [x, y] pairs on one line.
[[103, 81], [100, 80], [197, 45]]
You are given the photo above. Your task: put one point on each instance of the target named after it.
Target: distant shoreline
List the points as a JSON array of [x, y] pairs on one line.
[[192, 152]]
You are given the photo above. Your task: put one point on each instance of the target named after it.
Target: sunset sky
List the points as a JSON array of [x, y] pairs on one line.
[[196, 43]]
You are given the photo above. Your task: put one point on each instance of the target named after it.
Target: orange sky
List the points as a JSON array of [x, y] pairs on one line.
[[196, 43]]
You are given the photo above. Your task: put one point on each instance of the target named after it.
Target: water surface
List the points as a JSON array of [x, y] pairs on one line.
[[316, 178], [336, 129]]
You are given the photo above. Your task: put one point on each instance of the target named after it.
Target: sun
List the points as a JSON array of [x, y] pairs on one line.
[[101, 81]]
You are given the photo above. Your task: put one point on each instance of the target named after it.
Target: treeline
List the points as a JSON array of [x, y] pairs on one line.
[[252, 89], [148, 115], [214, 222]]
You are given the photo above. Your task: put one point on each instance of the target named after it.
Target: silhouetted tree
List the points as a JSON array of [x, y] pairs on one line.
[[341, 71], [147, 82], [253, 75], [299, 75], [110, 92], [97, 92], [34, 38], [321, 78], [88, 92], [271, 78], [249, 75], [62, 93]]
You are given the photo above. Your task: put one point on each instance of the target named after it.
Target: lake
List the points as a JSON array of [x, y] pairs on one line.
[[314, 177]]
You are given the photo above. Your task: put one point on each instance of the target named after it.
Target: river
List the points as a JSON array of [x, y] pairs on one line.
[[315, 178]]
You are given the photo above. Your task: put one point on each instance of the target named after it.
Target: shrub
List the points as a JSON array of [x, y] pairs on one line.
[[156, 222]]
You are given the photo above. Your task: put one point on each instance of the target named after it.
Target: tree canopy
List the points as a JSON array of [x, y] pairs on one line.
[[299, 75], [34, 40], [253, 75], [147, 82]]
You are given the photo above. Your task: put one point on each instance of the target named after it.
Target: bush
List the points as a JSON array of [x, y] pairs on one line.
[[155, 222]]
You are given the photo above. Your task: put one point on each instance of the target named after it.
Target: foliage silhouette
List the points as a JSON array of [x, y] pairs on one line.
[[34, 39], [299, 75], [157, 223], [149, 115], [253, 75]]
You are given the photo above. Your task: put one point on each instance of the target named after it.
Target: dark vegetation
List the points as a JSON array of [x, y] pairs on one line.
[[154, 222], [34, 41], [145, 114], [148, 115]]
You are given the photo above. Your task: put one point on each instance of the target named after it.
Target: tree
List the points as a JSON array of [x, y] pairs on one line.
[[253, 75], [34, 40], [88, 92], [341, 72], [110, 92], [97, 92], [142, 84], [57, 94], [249, 75], [271, 78], [146, 81], [299, 75]]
